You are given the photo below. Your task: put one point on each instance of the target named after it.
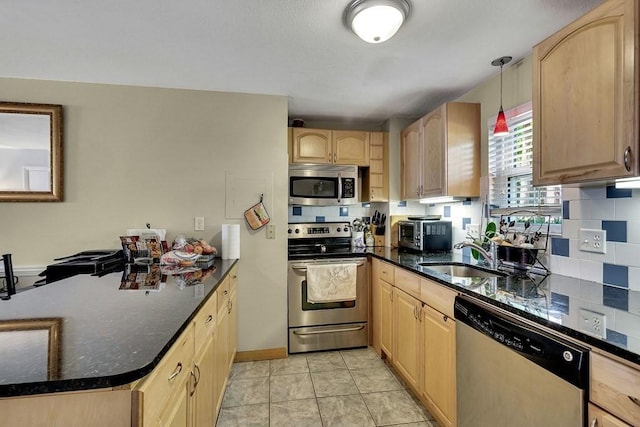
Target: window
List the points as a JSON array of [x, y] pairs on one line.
[[510, 170]]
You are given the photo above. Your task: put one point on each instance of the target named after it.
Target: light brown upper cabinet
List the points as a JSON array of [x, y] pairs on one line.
[[375, 179], [585, 98], [441, 153], [342, 147]]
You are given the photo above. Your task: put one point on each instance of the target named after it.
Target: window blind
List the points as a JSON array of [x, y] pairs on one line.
[[510, 169]]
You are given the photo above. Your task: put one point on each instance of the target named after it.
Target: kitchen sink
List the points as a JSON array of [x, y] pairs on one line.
[[459, 270]]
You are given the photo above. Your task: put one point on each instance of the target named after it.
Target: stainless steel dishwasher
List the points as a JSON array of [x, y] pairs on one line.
[[512, 374]]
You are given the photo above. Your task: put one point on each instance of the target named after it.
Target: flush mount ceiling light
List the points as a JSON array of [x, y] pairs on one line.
[[375, 21], [501, 128]]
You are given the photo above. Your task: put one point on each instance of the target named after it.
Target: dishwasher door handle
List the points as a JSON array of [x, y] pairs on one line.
[[303, 267], [330, 331]]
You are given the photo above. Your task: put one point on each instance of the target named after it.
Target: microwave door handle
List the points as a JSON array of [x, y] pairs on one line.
[[339, 187]]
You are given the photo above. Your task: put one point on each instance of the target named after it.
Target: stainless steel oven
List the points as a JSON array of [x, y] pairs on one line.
[[324, 326]]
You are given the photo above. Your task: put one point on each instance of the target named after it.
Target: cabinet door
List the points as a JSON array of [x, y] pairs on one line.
[[410, 168], [386, 319], [204, 399], [601, 418], [311, 145], [233, 326], [407, 337], [178, 413], [350, 147], [439, 363], [583, 98], [221, 354], [433, 154], [375, 181]]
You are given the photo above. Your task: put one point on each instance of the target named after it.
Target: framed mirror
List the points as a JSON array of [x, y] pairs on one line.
[[30, 152]]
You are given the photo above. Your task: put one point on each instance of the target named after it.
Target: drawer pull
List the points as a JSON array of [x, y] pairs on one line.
[[209, 319], [176, 372], [594, 422], [635, 400], [195, 384], [329, 331]]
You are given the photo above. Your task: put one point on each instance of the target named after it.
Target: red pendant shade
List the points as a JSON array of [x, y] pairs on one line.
[[501, 128]]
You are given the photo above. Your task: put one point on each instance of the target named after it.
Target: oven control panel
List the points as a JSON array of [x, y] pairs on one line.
[[319, 229]]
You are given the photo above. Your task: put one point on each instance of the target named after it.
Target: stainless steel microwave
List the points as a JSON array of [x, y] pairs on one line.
[[425, 235], [323, 185]]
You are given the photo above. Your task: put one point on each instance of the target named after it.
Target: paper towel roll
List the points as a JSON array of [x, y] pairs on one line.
[[230, 241]]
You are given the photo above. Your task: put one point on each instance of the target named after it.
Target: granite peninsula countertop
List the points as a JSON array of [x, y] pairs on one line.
[[553, 300], [102, 333]]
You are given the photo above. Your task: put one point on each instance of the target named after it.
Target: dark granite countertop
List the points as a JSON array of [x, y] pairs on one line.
[[553, 301], [101, 335]]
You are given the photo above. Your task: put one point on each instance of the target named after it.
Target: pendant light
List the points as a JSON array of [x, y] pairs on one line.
[[501, 128], [376, 21]]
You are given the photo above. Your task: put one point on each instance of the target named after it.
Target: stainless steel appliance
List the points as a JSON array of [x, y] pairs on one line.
[[424, 235], [323, 185], [324, 326], [510, 373]]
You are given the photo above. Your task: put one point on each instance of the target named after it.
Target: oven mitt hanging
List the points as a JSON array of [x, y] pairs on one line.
[[257, 216]]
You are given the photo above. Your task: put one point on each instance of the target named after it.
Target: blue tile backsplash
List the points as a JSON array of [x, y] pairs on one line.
[[616, 230], [615, 275], [615, 297], [560, 246], [617, 193]]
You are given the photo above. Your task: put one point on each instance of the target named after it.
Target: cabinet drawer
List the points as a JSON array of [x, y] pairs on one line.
[[600, 418], [223, 293], [205, 320], [233, 279], [437, 296], [383, 270], [408, 282], [616, 388], [167, 379]]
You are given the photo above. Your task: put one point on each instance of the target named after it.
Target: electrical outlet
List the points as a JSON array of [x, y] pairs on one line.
[[593, 323], [593, 240], [473, 230], [271, 231], [198, 223]]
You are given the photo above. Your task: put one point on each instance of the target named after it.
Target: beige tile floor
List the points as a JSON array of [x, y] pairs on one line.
[[339, 388]]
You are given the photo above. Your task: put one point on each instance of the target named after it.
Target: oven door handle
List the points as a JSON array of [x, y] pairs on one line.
[[330, 331], [303, 267]]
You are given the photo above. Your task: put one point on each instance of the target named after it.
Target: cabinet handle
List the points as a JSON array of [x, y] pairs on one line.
[[627, 159], [391, 296], [176, 372], [198, 373], [445, 317], [195, 384], [226, 292], [635, 400], [209, 319], [594, 422]]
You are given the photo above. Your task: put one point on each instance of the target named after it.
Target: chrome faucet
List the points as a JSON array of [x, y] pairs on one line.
[[490, 258]]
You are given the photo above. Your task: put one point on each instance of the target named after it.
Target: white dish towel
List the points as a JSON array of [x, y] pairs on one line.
[[331, 282]]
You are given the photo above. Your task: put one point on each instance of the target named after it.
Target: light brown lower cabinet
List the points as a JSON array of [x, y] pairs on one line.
[[205, 376], [614, 387], [407, 336], [386, 319], [438, 389]]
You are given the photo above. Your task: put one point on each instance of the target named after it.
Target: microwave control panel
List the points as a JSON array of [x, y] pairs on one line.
[[348, 188]]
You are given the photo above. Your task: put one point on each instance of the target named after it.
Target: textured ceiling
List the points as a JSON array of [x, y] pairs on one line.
[[296, 48]]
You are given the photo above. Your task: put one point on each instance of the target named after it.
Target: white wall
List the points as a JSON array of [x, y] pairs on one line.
[[134, 155]]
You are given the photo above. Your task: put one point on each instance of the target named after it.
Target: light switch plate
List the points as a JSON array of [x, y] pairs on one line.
[[593, 240], [198, 223], [593, 322], [271, 231]]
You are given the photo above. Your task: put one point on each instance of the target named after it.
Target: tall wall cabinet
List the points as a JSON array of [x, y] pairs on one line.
[[585, 98], [441, 153]]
